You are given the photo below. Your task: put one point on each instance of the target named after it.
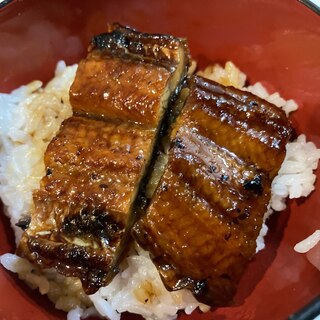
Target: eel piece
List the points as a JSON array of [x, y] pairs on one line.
[[95, 166], [203, 220], [124, 72]]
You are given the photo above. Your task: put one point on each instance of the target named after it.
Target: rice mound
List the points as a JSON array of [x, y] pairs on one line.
[[30, 117]]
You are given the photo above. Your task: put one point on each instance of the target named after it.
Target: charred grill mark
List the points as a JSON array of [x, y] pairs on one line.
[[127, 43], [224, 177], [69, 253], [199, 287], [164, 187], [254, 185], [115, 39], [96, 223], [91, 266], [212, 168], [244, 215], [24, 222], [179, 143], [94, 176], [227, 236]]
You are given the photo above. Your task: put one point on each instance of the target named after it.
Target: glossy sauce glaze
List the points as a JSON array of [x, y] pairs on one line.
[[84, 208], [109, 81], [83, 204], [204, 219]]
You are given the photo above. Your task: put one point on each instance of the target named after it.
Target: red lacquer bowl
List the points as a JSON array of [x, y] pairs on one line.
[[277, 42]]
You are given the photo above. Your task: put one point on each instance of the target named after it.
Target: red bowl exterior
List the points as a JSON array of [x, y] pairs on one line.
[[277, 42]]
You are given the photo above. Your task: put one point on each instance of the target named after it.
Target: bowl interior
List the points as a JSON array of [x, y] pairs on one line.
[[276, 42]]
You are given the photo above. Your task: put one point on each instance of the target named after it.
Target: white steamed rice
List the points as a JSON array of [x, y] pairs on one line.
[[30, 116]]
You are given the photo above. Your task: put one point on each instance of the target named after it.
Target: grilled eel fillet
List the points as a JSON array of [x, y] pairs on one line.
[[201, 226], [84, 207]]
